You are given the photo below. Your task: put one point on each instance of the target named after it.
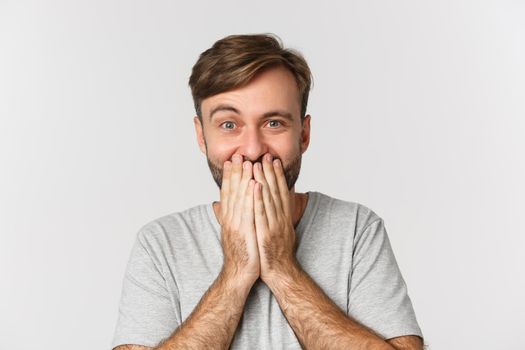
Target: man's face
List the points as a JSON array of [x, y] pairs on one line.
[[258, 118]]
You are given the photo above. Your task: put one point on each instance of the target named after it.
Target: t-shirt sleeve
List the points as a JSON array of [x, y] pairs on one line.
[[146, 311], [378, 296]]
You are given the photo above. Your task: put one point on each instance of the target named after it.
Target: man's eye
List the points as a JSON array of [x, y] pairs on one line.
[[229, 125], [274, 121]]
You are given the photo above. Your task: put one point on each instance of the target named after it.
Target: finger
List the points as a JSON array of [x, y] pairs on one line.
[[225, 186], [269, 208], [283, 186], [235, 179], [265, 195], [272, 182], [245, 180], [261, 220], [247, 212], [248, 230]]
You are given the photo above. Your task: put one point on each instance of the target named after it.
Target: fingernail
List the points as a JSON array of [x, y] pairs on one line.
[[268, 157], [237, 158]]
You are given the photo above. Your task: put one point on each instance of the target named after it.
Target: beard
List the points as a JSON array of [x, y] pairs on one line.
[[291, 170]]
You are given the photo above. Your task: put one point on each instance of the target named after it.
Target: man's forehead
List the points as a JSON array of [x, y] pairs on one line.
[[270, 90]]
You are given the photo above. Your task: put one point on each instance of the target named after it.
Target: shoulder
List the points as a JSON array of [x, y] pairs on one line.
[[359, 214], [167, 232], [164, 225]]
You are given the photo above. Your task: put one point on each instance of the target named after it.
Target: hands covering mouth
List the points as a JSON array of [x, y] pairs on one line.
[[257, 232]]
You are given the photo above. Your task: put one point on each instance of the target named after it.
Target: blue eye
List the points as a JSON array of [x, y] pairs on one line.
[[228, 123], [274, 121]]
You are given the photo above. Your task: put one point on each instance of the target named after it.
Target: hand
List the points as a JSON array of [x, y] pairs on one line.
[[239, 242], [273, 219]]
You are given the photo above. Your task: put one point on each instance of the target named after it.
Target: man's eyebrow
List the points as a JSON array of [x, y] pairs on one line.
[[284, 114], [281, 113], [223, 107]]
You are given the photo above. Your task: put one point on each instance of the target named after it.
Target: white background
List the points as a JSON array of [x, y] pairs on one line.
[[418, 112]]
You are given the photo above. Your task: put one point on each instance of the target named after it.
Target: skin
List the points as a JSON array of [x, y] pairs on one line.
[[255, 163]]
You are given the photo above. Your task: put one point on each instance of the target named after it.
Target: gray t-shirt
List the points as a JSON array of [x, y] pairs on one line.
[[342, 245]]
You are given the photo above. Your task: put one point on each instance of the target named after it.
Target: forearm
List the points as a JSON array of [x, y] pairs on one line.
[[214, 320], [316, 320]]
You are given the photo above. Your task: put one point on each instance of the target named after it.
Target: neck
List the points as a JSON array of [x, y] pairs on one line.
[[297, 205]]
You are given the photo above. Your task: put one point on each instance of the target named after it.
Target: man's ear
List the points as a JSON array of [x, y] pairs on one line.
[[305, 133], [199, 131]]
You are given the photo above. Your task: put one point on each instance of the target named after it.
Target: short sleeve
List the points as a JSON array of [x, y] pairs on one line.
[[146, 311], [378, 296]]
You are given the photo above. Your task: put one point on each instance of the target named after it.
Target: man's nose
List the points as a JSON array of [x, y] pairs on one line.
[[253, 146]]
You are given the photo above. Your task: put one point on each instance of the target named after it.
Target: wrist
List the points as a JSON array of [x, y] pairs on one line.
[[239, 282], [286, 273]]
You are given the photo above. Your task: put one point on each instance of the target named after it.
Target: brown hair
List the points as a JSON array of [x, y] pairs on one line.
[[232, 61]]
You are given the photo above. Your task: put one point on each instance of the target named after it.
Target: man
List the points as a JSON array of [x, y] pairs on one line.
[[265, 267]]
